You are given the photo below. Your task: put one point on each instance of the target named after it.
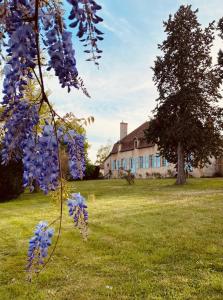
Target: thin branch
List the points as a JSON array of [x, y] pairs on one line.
[[45, 99], [61, 196]]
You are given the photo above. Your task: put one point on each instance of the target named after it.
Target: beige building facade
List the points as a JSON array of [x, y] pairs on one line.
[[133, 152]]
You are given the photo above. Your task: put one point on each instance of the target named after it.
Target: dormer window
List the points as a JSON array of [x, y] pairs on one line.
[[119, 147], [136, 143]]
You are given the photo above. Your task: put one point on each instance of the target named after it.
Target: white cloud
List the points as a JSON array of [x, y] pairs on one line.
[[116, 96]]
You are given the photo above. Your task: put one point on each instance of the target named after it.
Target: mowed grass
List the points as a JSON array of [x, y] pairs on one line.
[[153, 240]]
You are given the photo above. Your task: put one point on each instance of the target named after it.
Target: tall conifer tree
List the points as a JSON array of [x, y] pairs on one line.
[[187, 122]]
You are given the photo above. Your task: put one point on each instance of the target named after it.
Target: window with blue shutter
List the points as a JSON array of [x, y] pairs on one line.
[[153, 158], [146, 162], [140, 162], [136, 162], [157, 161], [124, 164], [130, 163], [163, 162], [133, 165], [150, 161], [188, 167]]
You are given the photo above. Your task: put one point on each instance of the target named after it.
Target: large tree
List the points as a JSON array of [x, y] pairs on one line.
[[187, 122]]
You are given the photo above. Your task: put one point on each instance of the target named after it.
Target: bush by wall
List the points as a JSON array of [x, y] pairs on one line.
[[92, 172]]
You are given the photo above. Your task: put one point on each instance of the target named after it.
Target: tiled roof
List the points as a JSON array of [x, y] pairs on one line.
[[127, 143]]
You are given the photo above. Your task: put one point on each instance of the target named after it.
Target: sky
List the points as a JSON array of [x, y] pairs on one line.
[[122, 89]]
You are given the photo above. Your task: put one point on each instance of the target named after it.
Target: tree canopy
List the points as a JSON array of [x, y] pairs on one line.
[[103, 153], [187, 121]]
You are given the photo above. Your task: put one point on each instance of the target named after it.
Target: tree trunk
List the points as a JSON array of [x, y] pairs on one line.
[[181, 175], [36, 187]]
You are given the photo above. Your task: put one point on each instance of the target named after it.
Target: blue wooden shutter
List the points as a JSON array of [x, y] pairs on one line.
[[150, 161], [157, 161], [147, 161], [153, 161], [144, 162], [133, 165]]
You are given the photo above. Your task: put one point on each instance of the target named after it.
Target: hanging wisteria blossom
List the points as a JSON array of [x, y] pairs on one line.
[[78, 210], [38, 246], [35, 38]]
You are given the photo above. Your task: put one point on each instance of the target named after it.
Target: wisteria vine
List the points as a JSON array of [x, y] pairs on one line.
[[35, 38]]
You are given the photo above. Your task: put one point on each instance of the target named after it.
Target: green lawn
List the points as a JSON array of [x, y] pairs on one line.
[[153, 240]]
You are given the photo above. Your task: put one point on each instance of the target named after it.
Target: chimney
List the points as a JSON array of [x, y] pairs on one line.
[[123, 130]]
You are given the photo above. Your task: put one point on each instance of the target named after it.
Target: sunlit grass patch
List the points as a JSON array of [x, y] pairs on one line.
[[151, 240]]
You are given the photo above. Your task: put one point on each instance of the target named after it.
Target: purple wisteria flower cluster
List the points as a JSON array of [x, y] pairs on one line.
[[38, 246], [84, 16], [21, 52], [58, 42], [25, 23], [78, 210], [75, 148], [41, 161], [17, 127], [33, 39]]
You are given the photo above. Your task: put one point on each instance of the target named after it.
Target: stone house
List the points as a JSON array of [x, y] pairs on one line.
[[133, 152]]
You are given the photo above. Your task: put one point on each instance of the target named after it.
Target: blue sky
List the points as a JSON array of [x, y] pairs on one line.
[[122, 89]]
